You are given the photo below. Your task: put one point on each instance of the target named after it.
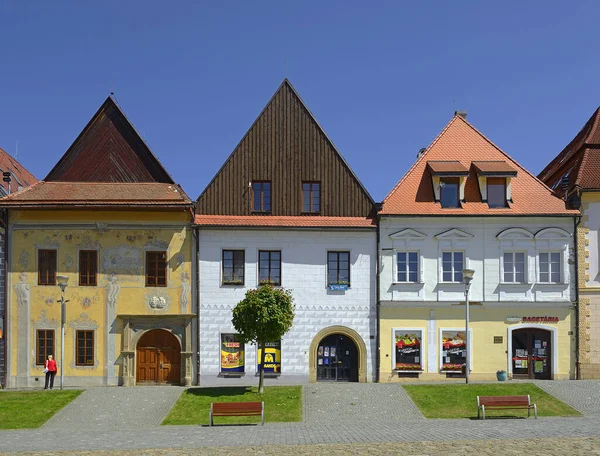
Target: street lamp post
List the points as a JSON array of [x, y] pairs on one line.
[[62, 283], [467, 275]]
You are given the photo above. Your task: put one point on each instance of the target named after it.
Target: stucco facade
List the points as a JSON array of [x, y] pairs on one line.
[[319, 311], [119, 309]]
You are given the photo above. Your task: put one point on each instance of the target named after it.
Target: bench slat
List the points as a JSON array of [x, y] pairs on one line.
[[503, 403], [236, 409]]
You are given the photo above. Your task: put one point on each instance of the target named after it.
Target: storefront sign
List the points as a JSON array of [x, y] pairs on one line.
[[272, 357], [232, 354], [407, 345], [545, 319], [338, 286], [454, 350]]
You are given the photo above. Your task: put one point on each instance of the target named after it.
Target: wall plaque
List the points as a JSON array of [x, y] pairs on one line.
[[498, 339]]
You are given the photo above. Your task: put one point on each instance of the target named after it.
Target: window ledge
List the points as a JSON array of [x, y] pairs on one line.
[[311, 213], [408, 283], [516, 284], [231, 284], [232, 374], [409, 371]]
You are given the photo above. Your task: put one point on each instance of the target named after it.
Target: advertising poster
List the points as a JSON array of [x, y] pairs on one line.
[[454, 345], [232, 354], [272, 357], [408, 350]]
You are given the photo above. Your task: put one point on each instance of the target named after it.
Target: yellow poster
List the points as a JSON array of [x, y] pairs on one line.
[[272, 357]]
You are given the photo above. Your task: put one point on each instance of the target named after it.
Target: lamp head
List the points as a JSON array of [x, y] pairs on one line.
[[62, 282], [467, 275]]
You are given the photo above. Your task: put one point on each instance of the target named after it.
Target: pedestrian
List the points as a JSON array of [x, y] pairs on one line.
[[50, 369]]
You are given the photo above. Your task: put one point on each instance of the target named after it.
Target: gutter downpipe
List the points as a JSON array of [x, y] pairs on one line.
[[576, 222], [377, 296], [5, 310], [196, 232]]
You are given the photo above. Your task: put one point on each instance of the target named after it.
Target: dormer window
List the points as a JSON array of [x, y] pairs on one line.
[[448, 179], [494, 179], [449, 192]]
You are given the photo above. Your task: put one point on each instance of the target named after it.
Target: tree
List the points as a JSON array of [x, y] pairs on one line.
[[264, 315]]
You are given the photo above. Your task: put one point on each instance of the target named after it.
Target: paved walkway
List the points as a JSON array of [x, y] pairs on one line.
[[582, 395], [108, 408]]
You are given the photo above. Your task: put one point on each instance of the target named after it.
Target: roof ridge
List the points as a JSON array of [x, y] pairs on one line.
[[581, 167], [419, 159]]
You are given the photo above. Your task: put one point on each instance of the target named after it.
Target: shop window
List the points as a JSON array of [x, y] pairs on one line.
[[449, 192], [84, 349], [232, 354], [46, 267], [407, 267], [550, 267], [44, 345], [261, 196], [454, 349], [269, 267], [452, 266], [156, 269], [407, 350], [233, 267], [514, 267], [88, 268], [338, 268], [272, 358]]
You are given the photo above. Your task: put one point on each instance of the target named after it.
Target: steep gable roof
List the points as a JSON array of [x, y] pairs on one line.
[[287, 146], [578, 165], [20, 177], [460, 141], [109, 149]]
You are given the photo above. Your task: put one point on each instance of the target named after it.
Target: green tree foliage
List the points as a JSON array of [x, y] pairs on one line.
[[264, 315]]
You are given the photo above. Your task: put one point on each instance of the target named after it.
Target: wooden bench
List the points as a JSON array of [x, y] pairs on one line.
[[504, 403], [237, 409]]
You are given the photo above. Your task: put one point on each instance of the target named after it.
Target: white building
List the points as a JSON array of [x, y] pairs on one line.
[[286, 209]]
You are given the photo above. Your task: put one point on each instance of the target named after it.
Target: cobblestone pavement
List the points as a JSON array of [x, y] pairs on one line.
[[348, 402], [575, 447], [582, 395], [116, 408]]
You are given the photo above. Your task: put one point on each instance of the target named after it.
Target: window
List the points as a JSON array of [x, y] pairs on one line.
[[452, 266], [84, 350], [454, 349], [269, 267], [407, 266], [496, 192], [407, 350], [233, 267], [156, 269], [514, 267], [46, 267], [232, 354], [550, 266], [261, 196], [88, 268], [449, 192], [338, 268], [44, 345], [311, 197]]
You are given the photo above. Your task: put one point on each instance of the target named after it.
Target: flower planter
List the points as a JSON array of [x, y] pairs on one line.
[[501, 376]]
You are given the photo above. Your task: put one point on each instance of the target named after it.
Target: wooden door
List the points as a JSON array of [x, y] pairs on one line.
[[158, 358]]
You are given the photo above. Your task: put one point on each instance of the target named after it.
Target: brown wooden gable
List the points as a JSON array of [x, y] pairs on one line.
[[109, 149], [286, 146]]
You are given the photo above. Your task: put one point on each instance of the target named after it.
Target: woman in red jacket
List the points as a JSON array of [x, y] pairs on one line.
[[50, 365]]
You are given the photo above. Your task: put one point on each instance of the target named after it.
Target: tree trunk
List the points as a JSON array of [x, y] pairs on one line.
[[261, 377]]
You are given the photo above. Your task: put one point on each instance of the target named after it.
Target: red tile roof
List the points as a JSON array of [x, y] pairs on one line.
[[447, 167], [284, 221], [21, 178], [54, 194], [494, 167], [578, 165], [460, 141]]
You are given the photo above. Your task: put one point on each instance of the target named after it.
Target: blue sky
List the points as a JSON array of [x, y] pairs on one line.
[[382, 78]]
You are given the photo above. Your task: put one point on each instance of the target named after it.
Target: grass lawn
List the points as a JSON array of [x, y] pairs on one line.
[[282, 403], [460, 401], [31, 409]]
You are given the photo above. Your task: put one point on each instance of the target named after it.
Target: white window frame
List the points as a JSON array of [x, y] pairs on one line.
[[502, 267], [441, 348], [560, 266], [452, 251], [419, 267], [420, 330]]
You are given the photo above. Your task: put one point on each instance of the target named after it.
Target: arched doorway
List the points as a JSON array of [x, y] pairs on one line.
[[158, 358], [338, 353], [531, 353]]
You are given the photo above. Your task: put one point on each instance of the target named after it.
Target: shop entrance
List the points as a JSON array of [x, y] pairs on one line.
[[158, 359], [532, 353], [337, 359]]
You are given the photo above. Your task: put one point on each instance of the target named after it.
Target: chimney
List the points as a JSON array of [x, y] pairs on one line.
[[462, 114]]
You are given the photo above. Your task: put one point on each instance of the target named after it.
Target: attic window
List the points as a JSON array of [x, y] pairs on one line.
[[494, 179], [449, 187], [448, 178], [496, 192]]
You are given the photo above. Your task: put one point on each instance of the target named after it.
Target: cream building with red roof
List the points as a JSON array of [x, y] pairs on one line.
[[465, 204]]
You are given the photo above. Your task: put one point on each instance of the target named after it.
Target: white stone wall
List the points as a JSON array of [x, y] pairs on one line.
[[478, 238], [591, 214], [304, 271]]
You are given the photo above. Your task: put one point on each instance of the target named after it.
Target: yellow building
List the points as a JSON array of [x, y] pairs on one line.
[[110, 219]]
